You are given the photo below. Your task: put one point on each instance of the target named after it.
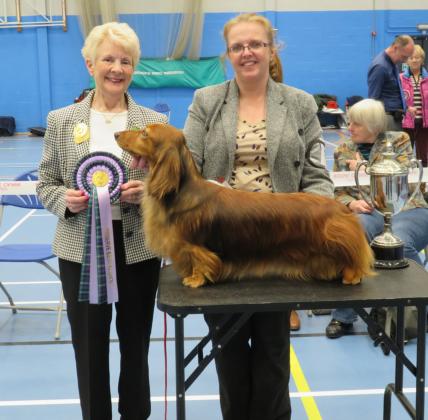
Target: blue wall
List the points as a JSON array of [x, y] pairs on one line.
[[324, 52]]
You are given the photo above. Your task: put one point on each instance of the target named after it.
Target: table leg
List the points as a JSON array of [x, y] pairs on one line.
[[399, 340], [420, 362], [397, 386], [179, 368], [387, 402]]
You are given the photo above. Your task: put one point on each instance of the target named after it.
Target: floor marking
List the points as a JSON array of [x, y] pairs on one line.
[[16, 225], [30, 302], [302, 386], [214, 397], [27, 283]]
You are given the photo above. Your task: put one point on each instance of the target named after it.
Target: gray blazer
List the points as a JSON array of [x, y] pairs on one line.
[[291, 123], [59, 159]]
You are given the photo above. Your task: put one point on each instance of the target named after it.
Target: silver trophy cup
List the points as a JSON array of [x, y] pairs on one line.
[[389, 194]]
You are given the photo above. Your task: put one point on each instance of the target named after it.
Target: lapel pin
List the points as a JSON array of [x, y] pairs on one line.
[[80, 133]]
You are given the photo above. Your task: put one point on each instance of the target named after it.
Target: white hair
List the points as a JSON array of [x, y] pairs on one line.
[[369, 113], [119, 33]]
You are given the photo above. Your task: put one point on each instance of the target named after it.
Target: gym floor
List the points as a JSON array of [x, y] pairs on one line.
[[331, 379]]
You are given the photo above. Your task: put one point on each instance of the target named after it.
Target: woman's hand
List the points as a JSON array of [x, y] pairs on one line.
[[360, 206], [132, 192], [76, 200], [412, 111], [352, 163]]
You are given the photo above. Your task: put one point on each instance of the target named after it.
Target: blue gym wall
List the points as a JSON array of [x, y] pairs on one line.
[[324, 52]]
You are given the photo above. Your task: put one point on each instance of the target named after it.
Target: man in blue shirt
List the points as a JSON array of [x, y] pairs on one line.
[[384, 82]]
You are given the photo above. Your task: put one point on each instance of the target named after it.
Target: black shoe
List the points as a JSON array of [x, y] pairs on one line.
[[321, 311], [336, 329]]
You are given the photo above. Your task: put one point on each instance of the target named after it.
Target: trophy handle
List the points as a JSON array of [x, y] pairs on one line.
[[416, 163], [366, 198]]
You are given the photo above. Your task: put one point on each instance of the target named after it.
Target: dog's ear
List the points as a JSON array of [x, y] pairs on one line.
[[166, 173]]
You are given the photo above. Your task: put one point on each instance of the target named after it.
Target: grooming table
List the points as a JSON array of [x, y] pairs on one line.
[[394, 288]]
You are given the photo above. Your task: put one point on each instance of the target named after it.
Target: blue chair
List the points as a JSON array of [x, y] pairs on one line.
[[163, 108], [22, 253]]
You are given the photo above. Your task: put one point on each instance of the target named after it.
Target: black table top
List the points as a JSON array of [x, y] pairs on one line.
[[406, 286]]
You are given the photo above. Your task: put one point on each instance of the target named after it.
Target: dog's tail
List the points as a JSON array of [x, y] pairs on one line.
[[346, 240]]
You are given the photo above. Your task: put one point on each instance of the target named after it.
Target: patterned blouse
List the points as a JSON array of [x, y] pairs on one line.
[[251, 171]]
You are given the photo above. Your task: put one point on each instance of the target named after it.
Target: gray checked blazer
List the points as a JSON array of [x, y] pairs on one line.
[[59, 159], [291, 124]]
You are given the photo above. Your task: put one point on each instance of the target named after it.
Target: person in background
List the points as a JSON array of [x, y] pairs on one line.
[[415, 86], [352, 100], [254, 132], [384, 81], [368, 139], [111, 52]]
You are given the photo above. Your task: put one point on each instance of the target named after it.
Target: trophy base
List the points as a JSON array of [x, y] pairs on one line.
[[389, 257], [391, 264]]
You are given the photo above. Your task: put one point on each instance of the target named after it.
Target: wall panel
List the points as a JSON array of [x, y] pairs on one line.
[[324, 52]]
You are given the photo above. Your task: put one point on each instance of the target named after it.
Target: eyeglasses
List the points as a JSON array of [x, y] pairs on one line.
[[252, 46]]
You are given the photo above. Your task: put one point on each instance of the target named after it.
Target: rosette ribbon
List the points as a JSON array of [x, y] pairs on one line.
[[99, 175]]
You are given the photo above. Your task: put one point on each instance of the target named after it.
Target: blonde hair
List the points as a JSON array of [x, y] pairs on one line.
[[369, 113], [419, 51], [275, 66], [119, 33]]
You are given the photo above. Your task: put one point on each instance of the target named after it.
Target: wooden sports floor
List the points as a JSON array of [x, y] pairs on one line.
[[340, 379]]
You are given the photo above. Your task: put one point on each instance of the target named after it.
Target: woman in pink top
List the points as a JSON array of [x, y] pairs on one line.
[[415, 86]]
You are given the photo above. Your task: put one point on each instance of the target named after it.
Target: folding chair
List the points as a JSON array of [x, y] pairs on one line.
[[163, 108], [21, 253]]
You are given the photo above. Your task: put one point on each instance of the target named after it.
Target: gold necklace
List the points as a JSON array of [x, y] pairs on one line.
[[110, 116]]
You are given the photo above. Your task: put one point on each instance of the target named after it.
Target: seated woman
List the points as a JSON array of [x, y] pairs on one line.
[[368, 138]]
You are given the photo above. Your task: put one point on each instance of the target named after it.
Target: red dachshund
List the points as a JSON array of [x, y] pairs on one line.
[[212, 233]]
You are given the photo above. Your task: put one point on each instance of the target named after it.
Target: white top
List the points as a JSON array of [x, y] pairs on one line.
[[103, 125]]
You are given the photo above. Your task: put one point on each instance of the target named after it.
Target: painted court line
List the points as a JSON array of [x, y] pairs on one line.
[[214, 397], [16, 225], [31, 302], [302, 386], [29, 283]]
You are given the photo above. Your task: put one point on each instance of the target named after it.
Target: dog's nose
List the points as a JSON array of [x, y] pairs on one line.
[[116, 135]]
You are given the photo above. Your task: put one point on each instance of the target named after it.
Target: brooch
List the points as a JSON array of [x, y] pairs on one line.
[[80, 133]]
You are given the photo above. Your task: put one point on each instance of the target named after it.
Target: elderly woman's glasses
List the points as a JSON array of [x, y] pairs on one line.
[[252, 46]]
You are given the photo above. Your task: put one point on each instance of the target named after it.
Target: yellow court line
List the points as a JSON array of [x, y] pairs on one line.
[[302, 386]]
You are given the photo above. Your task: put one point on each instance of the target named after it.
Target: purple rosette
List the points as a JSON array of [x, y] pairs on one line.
[[100, 175], [108, 165]]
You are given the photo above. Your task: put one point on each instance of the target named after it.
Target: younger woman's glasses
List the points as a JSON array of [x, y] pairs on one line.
[[252, 46]]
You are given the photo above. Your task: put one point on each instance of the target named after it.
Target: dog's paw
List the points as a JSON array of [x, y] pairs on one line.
[[351, 276], [353, 281], [195, 280]]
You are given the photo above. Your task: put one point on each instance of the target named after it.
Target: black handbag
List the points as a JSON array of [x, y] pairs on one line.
[[7, 126]]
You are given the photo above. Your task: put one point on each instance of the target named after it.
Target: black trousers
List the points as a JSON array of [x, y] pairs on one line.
[[419, 139], [90, 331], [253, 368]]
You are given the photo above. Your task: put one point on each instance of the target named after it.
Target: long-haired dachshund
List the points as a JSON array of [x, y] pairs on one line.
[[212, 233]]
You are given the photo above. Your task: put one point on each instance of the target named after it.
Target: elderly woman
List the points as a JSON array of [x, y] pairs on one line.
[[111, 52], [368, 139], [254, 132], [415, 87]]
